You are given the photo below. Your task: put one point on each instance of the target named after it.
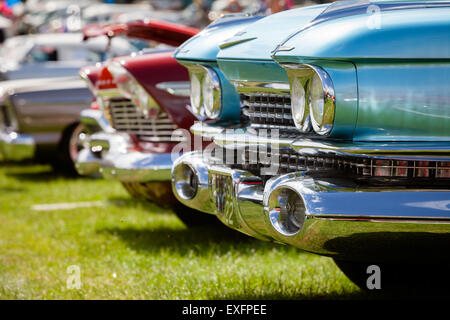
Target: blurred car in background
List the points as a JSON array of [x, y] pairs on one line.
[[143, 99], [55, 55], [39, 118], [40, 111]]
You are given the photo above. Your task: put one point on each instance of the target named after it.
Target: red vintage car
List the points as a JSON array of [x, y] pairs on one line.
[[140, 103]]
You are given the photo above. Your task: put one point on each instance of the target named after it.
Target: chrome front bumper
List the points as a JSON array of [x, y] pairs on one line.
[[109, 153], [15, 146], [340, 219]]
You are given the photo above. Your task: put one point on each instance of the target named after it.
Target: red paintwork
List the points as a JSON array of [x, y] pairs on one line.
[[159, 31], [106, 80], [92, 73], [152, 68]]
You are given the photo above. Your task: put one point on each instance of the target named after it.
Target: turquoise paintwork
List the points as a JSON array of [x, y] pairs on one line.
[[268, 32], [402, 34], [396, 79], [203, 48], [403, 70], [205, 45]]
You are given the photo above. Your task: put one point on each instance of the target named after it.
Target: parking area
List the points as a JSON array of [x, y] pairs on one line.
[[53, 227]]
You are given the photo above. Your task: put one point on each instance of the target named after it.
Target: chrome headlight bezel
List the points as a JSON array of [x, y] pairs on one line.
[[319, 97], [324, 125], [206, 92]]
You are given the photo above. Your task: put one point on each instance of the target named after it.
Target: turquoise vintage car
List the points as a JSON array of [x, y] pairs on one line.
[[343, 142]]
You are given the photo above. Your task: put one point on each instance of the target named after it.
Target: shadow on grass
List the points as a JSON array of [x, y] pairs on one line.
[[43, 175], [11, 190], [200, 241], [133, 203], [357, 295]]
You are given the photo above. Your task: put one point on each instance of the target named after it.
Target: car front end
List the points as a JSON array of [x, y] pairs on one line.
[[321, 160]]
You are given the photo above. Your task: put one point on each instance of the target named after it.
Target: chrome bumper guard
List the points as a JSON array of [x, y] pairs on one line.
[[318, 215], [15, 146], [109, 153]]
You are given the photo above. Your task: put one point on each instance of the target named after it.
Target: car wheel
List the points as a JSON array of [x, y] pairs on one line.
[[396, 276], [71, 144]]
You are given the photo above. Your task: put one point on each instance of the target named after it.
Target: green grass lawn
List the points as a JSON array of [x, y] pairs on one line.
[[129, 249]]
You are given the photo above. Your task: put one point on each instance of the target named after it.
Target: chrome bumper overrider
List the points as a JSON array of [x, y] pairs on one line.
[[16, 146], [335, 218], [110, 153]]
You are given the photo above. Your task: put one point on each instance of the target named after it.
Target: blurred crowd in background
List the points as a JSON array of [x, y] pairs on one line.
[[49, 16]]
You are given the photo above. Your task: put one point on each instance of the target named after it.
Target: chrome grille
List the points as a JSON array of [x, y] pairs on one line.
[[126, 118], [269, 111], [287, 160]]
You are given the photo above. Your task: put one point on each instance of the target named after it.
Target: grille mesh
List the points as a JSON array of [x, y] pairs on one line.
[[126, 118], [269, 111], [287, 160]]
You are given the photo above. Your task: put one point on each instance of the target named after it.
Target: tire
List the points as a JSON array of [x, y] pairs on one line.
[[398, 276], [68, 149]]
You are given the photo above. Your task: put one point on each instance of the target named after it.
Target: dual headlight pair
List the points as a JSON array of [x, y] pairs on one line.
[[312, 98], [205, 92]]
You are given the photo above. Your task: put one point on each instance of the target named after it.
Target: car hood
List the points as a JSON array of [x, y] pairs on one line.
[[257, 40], [362, 30], [205, 45]]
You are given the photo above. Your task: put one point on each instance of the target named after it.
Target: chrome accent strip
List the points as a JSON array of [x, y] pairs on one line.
[[205, 130], [383, 150], [420, 151], [279, 88]]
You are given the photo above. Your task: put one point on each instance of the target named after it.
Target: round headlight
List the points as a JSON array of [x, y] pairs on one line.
[[322, 102], [298, 104], [211, 94], [196, 94]]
